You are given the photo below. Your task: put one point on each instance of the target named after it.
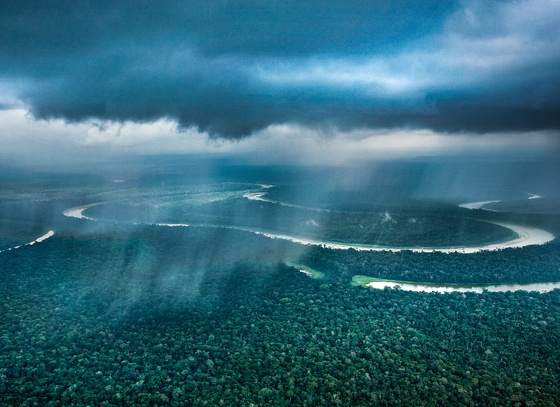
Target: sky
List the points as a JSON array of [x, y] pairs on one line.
[[302, 81]]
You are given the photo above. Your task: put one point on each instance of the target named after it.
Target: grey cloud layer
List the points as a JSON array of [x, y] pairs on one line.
[[231, 68]]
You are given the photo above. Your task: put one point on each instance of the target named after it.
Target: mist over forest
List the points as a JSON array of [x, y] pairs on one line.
[[170, 281], [292, 203]]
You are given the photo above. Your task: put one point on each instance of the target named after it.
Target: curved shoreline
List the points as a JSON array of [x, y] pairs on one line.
[[40, 239], [77, 211], [527, 236]]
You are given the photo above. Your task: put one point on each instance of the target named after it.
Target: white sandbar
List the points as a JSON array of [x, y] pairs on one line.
[[479, 289], [77, 211], [477, 205], [527, 236], [40, 239]]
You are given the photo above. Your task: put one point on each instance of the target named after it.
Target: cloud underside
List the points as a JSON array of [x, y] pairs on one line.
[[37, 142], [233, 69]]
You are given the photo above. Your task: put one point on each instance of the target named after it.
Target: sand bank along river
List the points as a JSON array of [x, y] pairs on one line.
[[78, 211], [452, 288], [50, 233], [481, 204], [526, 236]]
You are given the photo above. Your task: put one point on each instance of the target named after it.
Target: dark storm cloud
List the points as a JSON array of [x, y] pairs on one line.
[[233, 67]]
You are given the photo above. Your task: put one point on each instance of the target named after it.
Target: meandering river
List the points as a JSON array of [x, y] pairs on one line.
[[526, 236]]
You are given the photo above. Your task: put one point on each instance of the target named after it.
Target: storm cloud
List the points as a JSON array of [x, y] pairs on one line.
[[232, 68]]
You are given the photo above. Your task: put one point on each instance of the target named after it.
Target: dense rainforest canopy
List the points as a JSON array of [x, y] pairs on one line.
[[115, 313], [139, 318]]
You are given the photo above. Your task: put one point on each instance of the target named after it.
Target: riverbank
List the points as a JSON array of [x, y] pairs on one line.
[[526, 236], [78, 211], [40, 239], [377, 283]]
